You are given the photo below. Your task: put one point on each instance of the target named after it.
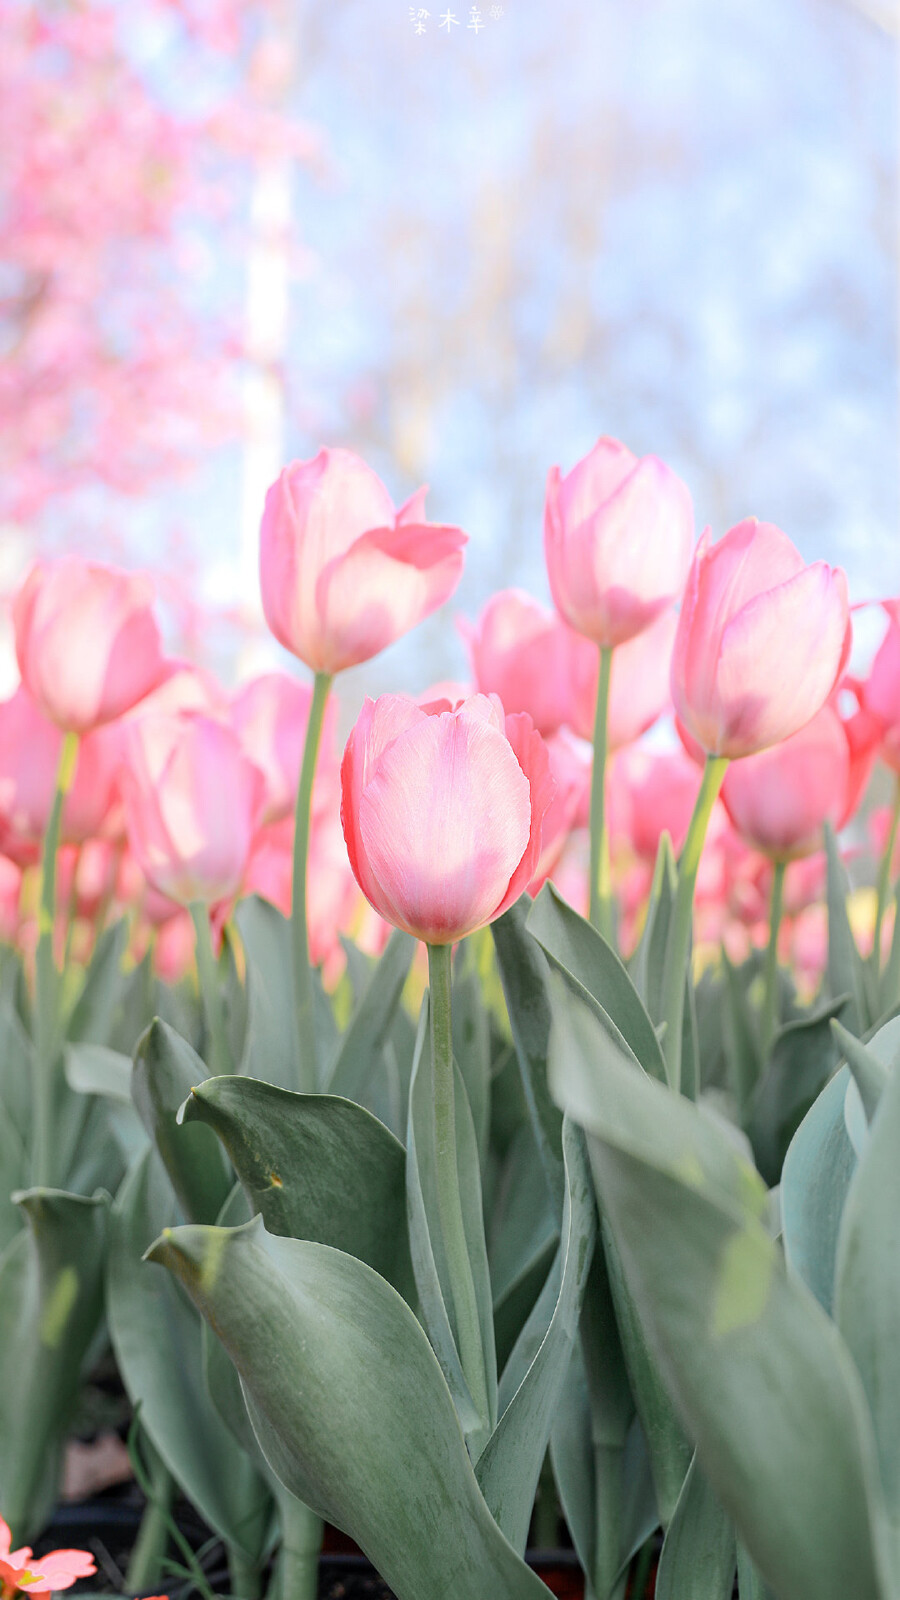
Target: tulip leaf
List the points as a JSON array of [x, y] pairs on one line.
[[522, 1240], [270, 1042], [92, 1017], [51, 1299], [741, 1037], [92, 1069], [668, 1449], [649, 960], [607, 1489], [15, 1071], [846, 973], [315, 1167], [523, 973], [764, 1384], [817, 1171], [164, 1072], [803, 1057], [889, 985], [867, 1284], [532, 1380], [595, 1479], [592, 967], [156, 1335], [379, 1453], [699, 1554], [429, 1258], [15, 1116], [869, 1071], [362, 1044]]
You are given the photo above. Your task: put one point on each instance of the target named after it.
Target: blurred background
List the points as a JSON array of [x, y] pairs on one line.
[[464, 243]]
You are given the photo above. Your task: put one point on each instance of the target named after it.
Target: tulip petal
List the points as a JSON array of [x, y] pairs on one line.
[[445, 821], [386, 583], [379, 723], [780, 658], [534, 759]]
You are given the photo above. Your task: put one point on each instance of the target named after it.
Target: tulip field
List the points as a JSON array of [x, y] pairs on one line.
[[467, 1145]]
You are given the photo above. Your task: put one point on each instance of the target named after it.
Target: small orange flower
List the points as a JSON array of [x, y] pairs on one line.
[[20, 1573]]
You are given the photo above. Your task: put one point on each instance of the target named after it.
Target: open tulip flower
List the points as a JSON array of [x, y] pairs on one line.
[[87, 641], [21, 1574], [344, 574], [442, 810]]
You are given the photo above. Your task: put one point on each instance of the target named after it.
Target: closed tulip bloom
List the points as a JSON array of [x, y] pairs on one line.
[[30, 748], [442, 811], [639, 691], [780, 799], [762, 639], [655, 793], [192, 805], [343, 574], [525, 654], [87, 642], [270, 715], [881, 691], [618, 533]]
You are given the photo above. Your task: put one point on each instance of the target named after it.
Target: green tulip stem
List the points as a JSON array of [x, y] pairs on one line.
[[301, 1542], [770, 980], [642, 1565], [146, 1559], [607, 1522], [244, 1575], [884, 878], [304, 994], [221, 1059], [48, 981], [678, 945], [601, 876], [462, 1284]]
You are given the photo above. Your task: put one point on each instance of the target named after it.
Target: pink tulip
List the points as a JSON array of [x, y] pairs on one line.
[[881, 691], [87, 642], [639, 684], [192, 802], [654, 793], [442, 812], [570, 768], [269, 716], [58, 1570], [780, 799], [29, 758], [342, 573], [524, 653], [617, 540], [185, 687], [761, 640]]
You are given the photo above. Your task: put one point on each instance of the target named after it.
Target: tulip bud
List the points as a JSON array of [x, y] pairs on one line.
[[617, 540], [761, 640], [192, 804], [442, 812], [87, 642]]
